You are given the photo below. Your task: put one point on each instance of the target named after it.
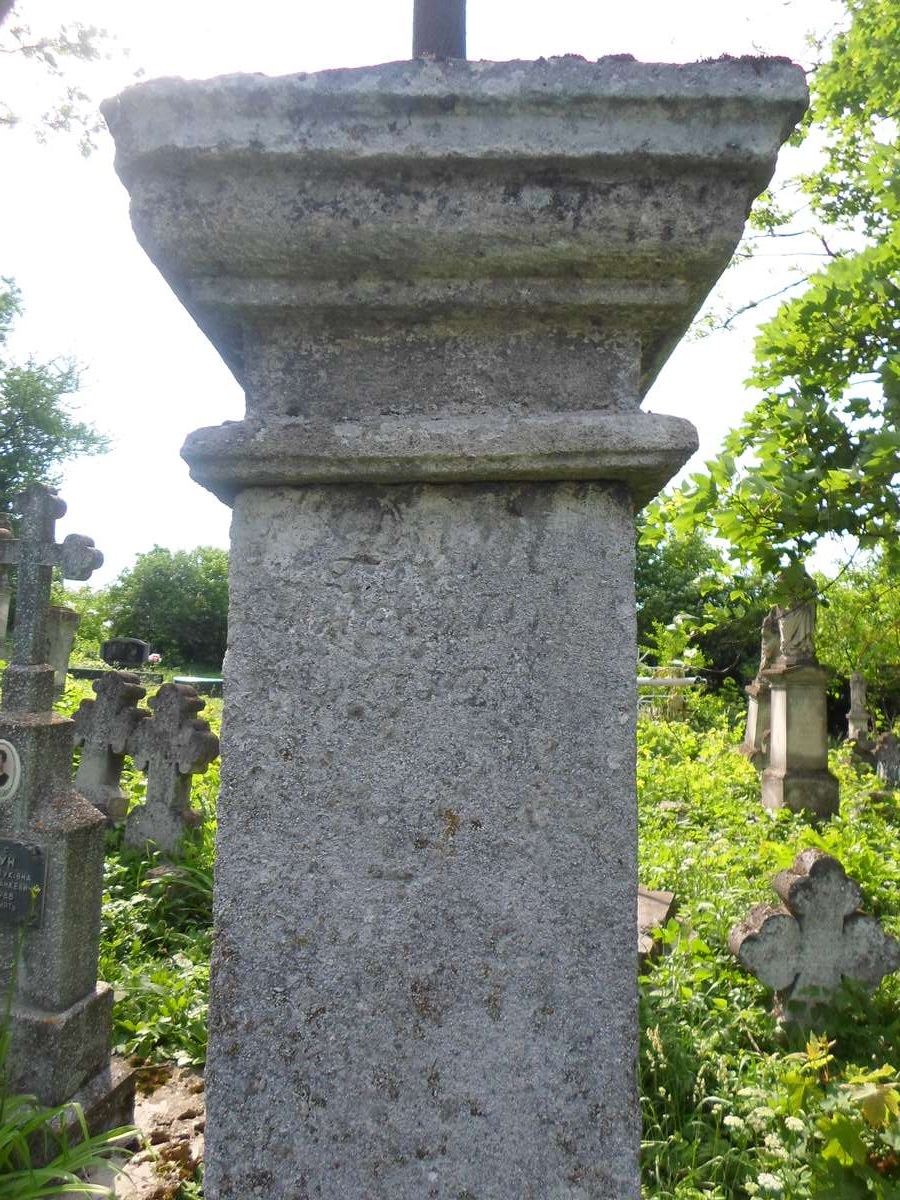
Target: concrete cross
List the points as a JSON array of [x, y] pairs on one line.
[[34, 554], [439, 28], [170, 748], [817, 938]]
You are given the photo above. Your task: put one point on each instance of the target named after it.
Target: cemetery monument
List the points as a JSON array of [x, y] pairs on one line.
[[51, 854], [445, 287], [797, 775]]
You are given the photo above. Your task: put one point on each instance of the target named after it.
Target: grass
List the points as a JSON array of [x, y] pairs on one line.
[[733, 1106]]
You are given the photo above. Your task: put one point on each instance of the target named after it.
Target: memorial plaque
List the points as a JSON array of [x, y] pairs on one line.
[[10, 770], [23, 872]]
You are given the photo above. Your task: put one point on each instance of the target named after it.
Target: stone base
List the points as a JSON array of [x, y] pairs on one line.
[[106, 1102], [52, 1054], [816, 791], [107, 1099]]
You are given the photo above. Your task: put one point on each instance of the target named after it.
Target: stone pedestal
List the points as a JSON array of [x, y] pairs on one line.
[[62, 624], [445, 288], [859, 719], [797, 776], [759, 719]]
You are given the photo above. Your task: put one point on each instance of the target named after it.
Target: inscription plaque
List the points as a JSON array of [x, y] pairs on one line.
[[10, 769], [23, 873]]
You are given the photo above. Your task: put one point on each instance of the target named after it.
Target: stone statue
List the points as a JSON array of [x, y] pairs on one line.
[[797, 624]]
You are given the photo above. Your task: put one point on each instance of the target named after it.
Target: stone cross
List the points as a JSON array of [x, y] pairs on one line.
[[34, 554], [52, 847], [104, 728], [171, 747], [804, 948]]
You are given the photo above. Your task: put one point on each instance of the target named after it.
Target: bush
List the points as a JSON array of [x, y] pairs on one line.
[[177, 601]]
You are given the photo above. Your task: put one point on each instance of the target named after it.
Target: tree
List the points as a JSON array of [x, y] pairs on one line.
[[38, 432], [818, 455], [72, 109], [684, 580], [858, 629], [177, 601]]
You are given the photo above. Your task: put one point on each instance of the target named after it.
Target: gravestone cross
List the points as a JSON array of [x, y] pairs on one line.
[[28, 686], [818, 937], [104, 728], [171, 746], [51, 855]]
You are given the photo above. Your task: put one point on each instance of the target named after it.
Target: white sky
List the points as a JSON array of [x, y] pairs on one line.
[[150, 375]]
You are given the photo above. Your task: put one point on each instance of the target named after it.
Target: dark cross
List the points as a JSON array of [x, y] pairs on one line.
[[439, 28], [34, 555]]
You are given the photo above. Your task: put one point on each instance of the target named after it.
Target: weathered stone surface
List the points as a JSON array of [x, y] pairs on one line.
[[445, 288], [172, 746], [815, 939], [104, 728], [426, 867], [859, 719], [797, 776], [62, 624], [499, 224], [654, 909]]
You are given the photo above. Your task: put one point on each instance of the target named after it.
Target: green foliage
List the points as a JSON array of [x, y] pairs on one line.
[[72, 109], [817, 456], [156, 935], [177, 601], [93, 628], [859, 630], [37, 429], [732, 1107], [31, 1133], [689, 595]]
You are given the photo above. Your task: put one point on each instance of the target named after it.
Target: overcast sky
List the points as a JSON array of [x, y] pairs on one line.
[[150, 376]]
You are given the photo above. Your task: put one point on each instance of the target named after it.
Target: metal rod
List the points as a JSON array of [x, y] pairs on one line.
[[439, 28]]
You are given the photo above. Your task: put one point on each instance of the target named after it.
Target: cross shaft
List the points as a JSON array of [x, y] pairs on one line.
[[439, 28]]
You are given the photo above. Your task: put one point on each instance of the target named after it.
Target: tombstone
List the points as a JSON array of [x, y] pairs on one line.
[[445, 287], [859, 720], [6, 535], [755, 746], [886, 754], [171, 747], [51, 855], [124, 652], [797, 775], [62, 624], [104, 728], [815, 939]]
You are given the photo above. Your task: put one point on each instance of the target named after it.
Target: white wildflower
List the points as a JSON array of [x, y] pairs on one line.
[[794, 1124], [770, 1183], [733, 1122], [760, 1117]]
